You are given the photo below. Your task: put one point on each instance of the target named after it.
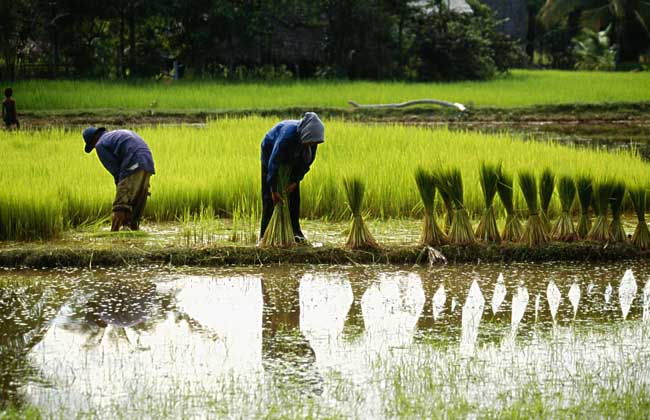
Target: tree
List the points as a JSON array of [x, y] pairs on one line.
[[630, 20]]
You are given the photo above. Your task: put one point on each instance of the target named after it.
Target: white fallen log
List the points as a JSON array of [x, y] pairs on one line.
[[456, 105]]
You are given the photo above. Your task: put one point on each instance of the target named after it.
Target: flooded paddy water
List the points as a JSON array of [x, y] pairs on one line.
[[543, 340]]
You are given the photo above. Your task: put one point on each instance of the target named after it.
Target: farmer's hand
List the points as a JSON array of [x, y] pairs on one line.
[[276, 197], [119, 218], [291, 187]]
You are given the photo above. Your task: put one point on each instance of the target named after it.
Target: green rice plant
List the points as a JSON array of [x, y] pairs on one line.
[[602, 193], [641, 236], [451, 181], [487, 228], [616, 229], [431, 233], [359, 237], [585, 195], [546, 187], [534, 233], [512, 230], [448, 203], [563, 230], [520, 88], [279, 232]]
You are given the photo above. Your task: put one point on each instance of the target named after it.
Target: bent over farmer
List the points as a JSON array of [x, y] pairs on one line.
[[128, 158], [290, 143]]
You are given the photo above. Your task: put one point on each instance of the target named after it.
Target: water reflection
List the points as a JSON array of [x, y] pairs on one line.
[[85, 340]]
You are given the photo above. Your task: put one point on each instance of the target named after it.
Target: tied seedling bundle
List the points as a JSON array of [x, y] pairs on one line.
[[451, 182], [546, 187], [487, 229], [585, 196], [534, 233], [431, 233], [360, 236], [616, 202], [448, 202], [513, 230], [563, 229], [602, 192], [641, 236], [279, 232]]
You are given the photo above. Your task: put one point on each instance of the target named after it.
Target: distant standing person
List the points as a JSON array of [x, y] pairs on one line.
[[9, 114], [128, 158], [292, 143]]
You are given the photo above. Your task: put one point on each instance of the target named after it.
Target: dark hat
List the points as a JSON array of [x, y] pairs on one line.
[[89, 134]]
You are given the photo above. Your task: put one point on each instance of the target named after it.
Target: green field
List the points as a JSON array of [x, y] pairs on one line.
[[50, 184], [517, 89]]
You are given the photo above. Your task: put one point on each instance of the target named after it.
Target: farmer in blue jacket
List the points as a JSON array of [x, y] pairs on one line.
[[128, 158], [292, 143]]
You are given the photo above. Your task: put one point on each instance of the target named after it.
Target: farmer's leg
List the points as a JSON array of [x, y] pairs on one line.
[[140, 200], [123, 204], [267, 204], [294, 213]]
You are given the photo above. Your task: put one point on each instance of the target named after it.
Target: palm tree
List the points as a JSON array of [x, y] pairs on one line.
[[629, 19]]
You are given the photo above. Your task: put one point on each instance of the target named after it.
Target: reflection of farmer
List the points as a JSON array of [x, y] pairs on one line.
[[128, 158], [292, 143]]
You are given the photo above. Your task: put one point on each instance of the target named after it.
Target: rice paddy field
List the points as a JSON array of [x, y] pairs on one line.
[[520, 88], [50, 184]]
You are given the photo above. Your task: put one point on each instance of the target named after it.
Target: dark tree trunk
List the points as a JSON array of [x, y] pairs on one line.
[[531, 33], [120, 51], [132, 55]]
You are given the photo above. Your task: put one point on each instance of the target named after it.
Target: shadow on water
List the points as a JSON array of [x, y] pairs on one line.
[[75, 340]]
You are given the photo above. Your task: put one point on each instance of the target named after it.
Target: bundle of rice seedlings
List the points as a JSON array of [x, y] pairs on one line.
[[451, 182], [601, 194], [585, 195], [513, 230], [359, 237], [446, 199], [487, 228], [534, 233], [546, 187], [616, 202], [279, 232], [641, 236], [431, 233], [563, 229]]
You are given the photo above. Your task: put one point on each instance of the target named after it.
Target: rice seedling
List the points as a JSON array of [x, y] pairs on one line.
[[218, 165], [546, 187], [616, 229], [359, 237], [431, 233], [641, 236], [534, 233], [585, 195], [279, 232], [487, 228], [563, 229], [602, 193], [448, 203], [512, 230], [461, 232]]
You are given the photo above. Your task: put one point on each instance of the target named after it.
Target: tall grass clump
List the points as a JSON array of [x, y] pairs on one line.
[[431, 233], [616, 229], [585, 192], [563, 230], [512, 230], [546, 187], [460, 232], [360, 237], [602, 193], [534, 233], [279, 232], [641, 236], [487, 229]]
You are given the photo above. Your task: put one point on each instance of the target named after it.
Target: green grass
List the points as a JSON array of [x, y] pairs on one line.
[[50, 184], [520, 88]]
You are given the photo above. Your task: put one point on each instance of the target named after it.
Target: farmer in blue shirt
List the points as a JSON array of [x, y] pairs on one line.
[[128, 158], [291, 143]]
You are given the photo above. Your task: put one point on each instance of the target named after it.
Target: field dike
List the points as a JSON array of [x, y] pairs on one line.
[[125, 254]]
